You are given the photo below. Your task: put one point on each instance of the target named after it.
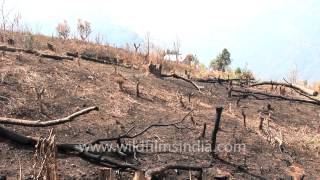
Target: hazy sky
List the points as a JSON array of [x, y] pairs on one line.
[[271, 36]]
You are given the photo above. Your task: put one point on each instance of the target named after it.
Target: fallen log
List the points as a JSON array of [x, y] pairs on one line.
[[17, 138], [97, 60], [56, 57], [97, 159], [151, 173], [73, 149], [30, 51], [38, 123], [72, 54], [220, 81], [288, 85], [247, 93], [184, 79], [10, 49]]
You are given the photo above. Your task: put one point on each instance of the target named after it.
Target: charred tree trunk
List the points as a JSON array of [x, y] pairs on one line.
[[215, 130], [204, 130], [261, 122], [244, 118], [137, 88]]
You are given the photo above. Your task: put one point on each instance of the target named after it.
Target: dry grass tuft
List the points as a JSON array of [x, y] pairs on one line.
[[45, 166]]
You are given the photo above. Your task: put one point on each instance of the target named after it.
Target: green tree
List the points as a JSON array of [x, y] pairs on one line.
[[238, 71], [221, 61]]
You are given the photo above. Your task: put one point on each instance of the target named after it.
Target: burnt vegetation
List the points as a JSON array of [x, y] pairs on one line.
[[59, 95]]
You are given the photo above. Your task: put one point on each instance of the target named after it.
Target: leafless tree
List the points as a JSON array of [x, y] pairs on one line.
[[99, 39], [4, 15], [84, 29], [63, 30], [136, 47], [15, 24], [147, 43], [293, 75], [176, 49]]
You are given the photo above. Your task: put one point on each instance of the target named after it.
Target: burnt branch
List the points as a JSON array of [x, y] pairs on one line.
[[37, 53], [230, 89], [39, 123], [235, 81], [182, 78], [247, 93], [288, 85], [127, 136], [68, 149]]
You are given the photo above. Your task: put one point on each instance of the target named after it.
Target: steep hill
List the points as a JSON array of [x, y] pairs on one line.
[[37, 88]]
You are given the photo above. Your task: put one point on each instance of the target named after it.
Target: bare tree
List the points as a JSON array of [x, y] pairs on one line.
[[147, 44], [136, 47], [4, 16], [15, 24], [176, 49], [99, 39], [84, 29], [63, 30], [293, 75]]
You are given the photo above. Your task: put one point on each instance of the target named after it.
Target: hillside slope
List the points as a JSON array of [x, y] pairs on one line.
[[69, 86]]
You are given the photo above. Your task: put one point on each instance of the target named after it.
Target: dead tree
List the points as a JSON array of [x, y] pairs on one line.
[[215, 130], [136, 47], [176, 49], [148, 44]]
